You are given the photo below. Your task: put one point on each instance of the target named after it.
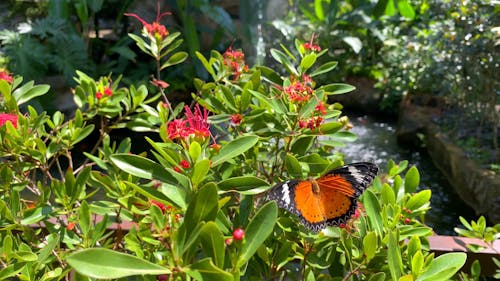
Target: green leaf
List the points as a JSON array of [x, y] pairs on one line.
[[397, 169], [409, 230], [200, 170], [414, 245], [405, 9], [327, 67], [203, 207], [387, 194], [443, 267], [147, 169], [106, 264], [175, 59], [326, 129], [418, 200], [302, 144], [205, 270], [394, 256], [417, 262], [293, 167], [412, 179], [84, 218], [318, 10], [283, 59], [12, 270], [37, 214], [475, 269], [344, 136], [257, 231], [234, 148], [25, 256], [22, 95], [194, 150], [384, 7], [205, 63], [270, 75], [336, 88], [308, 61], [373, 211], [370, 244], [242, 183], [379, 276], [149, 192], [276, 104], [212, 243]]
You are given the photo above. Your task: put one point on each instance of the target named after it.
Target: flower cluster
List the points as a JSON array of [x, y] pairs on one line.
[[300, 90], [310, 123], [184, 164], [107, 92], [236, 119], [311, 47], [155, 29], [8, 117], [196, 125], [6, 76], [235, 60]]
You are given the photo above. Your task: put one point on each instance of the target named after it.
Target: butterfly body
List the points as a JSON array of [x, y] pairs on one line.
[[329, 200]]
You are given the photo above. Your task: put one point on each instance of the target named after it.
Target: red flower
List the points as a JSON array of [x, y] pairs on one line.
[[8, 117], [177, 169], [98, 95], [184, 164], [228, 241], [321, 108], [159, 83], [238, 234], [298, 92], [4, 75], [198, 121], [311, 47], [155, 29], [177, 129], [407, 221], [236, 119], [108, 92], [216, 147], [160, 205], [235, 60], [70, 226], [311, 123], [233, 55]]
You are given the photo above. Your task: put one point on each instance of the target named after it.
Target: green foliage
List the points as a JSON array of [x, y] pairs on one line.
[[200, 178], [51, 46], [479, 230], [446, 57]]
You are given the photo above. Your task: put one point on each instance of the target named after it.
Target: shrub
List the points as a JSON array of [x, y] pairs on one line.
[[199, 182]]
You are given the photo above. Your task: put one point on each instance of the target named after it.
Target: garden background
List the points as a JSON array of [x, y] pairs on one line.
[[138, 137]]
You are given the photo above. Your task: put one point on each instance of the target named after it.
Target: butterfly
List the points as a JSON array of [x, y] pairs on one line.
[[329, 200]]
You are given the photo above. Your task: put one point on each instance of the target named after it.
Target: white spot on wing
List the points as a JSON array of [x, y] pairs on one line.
[[286, 193], [356, 174]]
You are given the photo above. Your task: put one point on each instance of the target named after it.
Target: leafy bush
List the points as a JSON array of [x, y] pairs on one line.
[[448, 53], [194, 196]]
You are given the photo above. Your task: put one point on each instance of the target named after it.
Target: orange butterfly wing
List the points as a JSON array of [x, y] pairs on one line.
[[329, 200]]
